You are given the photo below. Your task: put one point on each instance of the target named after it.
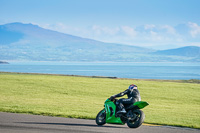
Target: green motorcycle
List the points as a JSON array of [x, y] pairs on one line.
[[134, 116]]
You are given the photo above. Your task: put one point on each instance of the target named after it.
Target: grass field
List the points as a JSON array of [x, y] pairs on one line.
[[171, 103]]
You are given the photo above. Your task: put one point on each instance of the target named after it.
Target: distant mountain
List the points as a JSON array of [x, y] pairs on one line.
[[30, 42], [190, 51]]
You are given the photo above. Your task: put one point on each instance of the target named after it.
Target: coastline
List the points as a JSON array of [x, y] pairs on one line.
[[3, 62], [197, 81]]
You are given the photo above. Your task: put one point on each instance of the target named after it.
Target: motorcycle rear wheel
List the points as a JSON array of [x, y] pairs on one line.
[[138, 120], [101, 117]]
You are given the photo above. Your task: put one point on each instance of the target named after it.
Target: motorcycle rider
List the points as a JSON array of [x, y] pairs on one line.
[[133, 96]]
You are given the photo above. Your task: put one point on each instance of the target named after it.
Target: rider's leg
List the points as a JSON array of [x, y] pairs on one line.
[[120, 105], [121, 102]]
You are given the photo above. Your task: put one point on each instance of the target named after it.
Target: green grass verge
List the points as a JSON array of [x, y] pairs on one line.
[[171, 103]]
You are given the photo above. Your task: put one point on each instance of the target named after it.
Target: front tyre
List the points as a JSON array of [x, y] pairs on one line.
[[137, 120], [101, 117]]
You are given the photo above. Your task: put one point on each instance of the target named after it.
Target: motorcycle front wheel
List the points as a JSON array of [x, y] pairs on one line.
[[137, 120], [101, 117]]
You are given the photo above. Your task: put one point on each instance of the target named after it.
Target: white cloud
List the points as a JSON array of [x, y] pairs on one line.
[[129, 31], [169, 29], [123, 31], [154, 36], [60, 27], [149, 26], [104, 30], [195, 44], [195, 29], [153, 33]]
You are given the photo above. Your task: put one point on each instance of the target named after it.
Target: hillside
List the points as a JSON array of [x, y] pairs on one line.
[[190, 52], [30, 42]]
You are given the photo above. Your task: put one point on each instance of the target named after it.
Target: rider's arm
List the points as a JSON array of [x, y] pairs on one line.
[[122, 93]]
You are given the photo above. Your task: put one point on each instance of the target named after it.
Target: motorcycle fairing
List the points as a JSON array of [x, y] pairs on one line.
[[110, 113], [141, 104]]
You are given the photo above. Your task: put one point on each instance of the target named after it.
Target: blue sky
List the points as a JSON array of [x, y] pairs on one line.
[[158, 24]]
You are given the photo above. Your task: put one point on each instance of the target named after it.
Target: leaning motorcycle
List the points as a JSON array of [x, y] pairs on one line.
[[134, 116]]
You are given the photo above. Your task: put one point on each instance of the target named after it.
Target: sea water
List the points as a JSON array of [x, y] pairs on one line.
[[109, 69]]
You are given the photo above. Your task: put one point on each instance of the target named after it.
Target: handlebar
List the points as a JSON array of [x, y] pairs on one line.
[[112, 98]]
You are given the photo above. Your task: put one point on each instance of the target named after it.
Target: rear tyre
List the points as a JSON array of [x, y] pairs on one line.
[[137, 120], [101, 117]]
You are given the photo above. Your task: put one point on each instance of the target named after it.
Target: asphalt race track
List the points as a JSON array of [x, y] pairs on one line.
[[23, 123]]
